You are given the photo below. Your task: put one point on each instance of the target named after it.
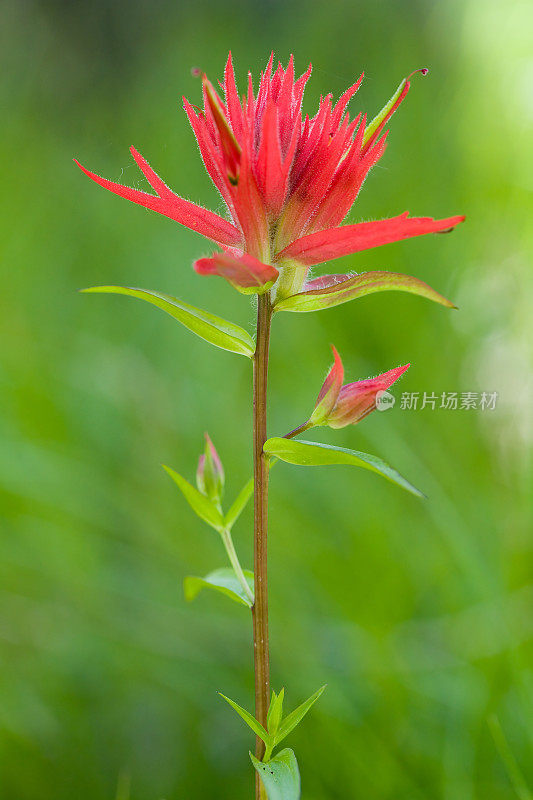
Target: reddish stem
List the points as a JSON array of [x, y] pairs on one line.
[[260, 607]]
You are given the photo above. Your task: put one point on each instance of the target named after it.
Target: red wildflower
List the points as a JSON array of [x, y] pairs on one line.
[[287, 182], [338, 406]]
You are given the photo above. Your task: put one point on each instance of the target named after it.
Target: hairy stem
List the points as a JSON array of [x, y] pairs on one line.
[[260, 607]]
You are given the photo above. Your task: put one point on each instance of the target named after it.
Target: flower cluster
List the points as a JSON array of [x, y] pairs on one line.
[[288, 181]]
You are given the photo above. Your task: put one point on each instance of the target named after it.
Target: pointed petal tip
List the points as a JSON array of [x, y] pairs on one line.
[[83, 169], [399, 371], [337, 365]]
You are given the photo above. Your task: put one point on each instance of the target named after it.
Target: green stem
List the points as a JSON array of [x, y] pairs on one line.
[[260, 607], [235, 563]]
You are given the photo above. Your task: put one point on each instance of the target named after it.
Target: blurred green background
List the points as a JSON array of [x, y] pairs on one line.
[[417, 614]]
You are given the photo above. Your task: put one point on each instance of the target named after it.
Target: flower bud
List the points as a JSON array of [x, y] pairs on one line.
[[210, 472], [356, 400]]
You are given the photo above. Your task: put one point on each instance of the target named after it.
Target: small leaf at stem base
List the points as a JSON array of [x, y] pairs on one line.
[[202, 506], [249, 719], [280, 775], [239, 504], [221, 580], [295, 717]]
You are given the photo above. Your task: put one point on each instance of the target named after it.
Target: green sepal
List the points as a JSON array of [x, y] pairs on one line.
[[280, 775], [296, 716], [217, 331], [200, 504], [221, 580], [355, 286], [313, 454], [239, 504], [249, 719]]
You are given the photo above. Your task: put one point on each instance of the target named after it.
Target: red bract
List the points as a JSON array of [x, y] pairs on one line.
[[329, 392], [245, 272], [338, 406], [287, 181], [357, 400]]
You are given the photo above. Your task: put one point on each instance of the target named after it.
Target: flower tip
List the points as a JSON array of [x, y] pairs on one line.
[[196, 72], [336, 355], [422, 70], [83, 169]]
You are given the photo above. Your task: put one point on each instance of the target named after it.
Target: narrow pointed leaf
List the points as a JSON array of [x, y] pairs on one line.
[[200, 504], [213, 329], [295, 717], [313, 454], [239, 504], [249, 719], [275, 712], [280, 775], [353, 287], [221, 580]]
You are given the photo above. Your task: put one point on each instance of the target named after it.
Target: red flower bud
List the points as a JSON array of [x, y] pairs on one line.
[[356, 400]]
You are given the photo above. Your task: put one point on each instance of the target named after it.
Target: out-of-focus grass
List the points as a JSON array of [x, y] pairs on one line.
[[418, 615]]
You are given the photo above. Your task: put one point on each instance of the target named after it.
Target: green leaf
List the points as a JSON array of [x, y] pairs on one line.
[[222, 580], [213, 329], [293, 719], [249, 719], [313, 454], [353, 287], [200, 504], [239, 504], [275, 712], [280, 775]]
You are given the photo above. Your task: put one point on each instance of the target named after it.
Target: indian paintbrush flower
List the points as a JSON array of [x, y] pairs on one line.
[[210, 473], [338, 405], [288, 181]]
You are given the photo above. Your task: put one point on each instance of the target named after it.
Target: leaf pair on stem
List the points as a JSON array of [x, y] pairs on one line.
[[280, 774]]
